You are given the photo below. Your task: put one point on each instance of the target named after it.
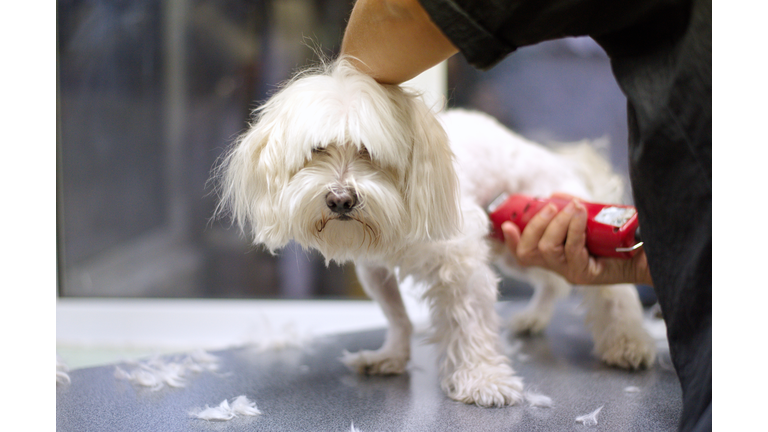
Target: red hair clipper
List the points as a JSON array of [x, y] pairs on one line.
[[612, 230]]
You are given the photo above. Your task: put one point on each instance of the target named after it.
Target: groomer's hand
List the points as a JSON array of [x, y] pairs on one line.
[[557, 241]]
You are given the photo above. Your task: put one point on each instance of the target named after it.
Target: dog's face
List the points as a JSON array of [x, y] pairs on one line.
[[343, 165]]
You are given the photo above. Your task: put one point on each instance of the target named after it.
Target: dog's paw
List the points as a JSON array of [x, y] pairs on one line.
[[627, 348], [378, 362], [485, 385], [529, 321]]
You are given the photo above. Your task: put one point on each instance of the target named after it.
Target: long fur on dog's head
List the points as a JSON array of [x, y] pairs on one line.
[[335, 130]]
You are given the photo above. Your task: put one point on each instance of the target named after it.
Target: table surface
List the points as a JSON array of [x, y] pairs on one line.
[[309, 389]]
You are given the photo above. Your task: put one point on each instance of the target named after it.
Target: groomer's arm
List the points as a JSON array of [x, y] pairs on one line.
[[394, 40]]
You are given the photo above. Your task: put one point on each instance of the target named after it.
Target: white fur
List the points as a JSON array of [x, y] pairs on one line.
[[420, 185], [241, 405], [589, 419], [62, 372], [172, 371], [538, 400]]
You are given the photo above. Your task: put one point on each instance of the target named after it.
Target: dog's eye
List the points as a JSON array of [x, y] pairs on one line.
[[363, 153], [319, 150]]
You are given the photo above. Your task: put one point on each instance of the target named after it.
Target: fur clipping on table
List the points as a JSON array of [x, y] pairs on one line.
[[538, 400], [589, 419], [62, 377], [241, 405], [158, 372]]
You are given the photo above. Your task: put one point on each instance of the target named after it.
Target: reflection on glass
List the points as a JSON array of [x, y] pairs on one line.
[[150, 94]]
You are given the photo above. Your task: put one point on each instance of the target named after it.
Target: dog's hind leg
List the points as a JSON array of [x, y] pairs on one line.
[[615, 316], [381, 285], [465, 323], [548, 288]]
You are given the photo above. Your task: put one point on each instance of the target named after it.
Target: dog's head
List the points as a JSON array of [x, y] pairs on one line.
[[343, 165]]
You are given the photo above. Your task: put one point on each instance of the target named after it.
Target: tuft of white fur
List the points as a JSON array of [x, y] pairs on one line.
[[352, 428], [62, 375], [631, 389], [241, 405], [159, 372], [201, 360], [420, 182], [538, 400], [589, 419]]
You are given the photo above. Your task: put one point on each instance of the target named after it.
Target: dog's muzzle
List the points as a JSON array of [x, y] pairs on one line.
[[341, 202]]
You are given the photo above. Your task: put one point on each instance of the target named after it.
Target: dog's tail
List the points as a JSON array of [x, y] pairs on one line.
[[604, 184]]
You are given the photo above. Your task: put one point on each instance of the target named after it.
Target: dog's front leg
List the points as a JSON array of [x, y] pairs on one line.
[[381, 285], [465, 322]]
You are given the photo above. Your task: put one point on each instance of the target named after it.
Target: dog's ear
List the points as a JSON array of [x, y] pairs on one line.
[[432, 187], [249, 181]]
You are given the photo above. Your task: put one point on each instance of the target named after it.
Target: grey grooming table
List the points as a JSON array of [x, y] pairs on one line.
[[310, 390]]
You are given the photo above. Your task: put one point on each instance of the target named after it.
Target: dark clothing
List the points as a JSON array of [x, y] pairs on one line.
[[661, 55]]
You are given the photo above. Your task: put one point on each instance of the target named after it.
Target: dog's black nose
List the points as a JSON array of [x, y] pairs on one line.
[[340, 202]]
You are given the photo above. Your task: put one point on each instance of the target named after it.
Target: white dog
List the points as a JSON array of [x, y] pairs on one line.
[[366, 172]]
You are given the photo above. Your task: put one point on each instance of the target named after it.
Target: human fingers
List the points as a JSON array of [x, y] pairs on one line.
[[528, 247], [581, 267], [552, 243], [578, 266], [576, 240]]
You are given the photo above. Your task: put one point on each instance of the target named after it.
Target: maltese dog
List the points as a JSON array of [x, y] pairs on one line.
[[366, 172]]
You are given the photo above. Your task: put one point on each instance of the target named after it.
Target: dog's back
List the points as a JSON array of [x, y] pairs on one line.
[[492, 159]]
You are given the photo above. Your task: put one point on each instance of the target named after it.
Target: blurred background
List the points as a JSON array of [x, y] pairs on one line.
[[150, 93]]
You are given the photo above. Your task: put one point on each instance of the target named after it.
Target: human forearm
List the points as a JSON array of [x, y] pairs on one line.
[[394, 40]]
